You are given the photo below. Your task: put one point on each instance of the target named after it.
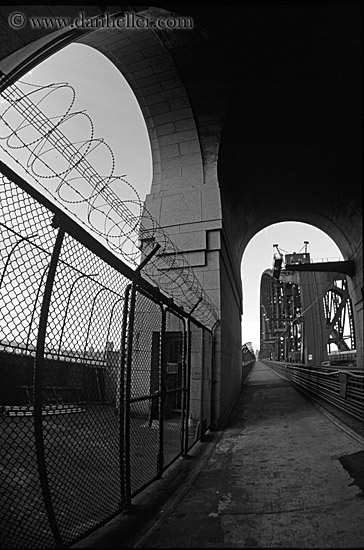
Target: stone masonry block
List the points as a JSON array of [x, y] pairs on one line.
[[201, 226], [211, 206], [156, 97], [214, 295], [172, 83], [181, 208], [196, 258], [213, 259], [158, 108], [189, 147], [161, 57], [211, 280], [190, 241], [179, 103], [143, 73], [146, 43], [153, 51], [172, 173], [178, 137], [157, 167], [180, 114], [195, 170], [173, 184], [138, 35], [154, 143], [153, 205], [138, 65], [165, 129], [149, 81], [175, 94], [152, 89], [169, 151], [187, 124], [130, 58], [162, 67], [213, 240], [157, 177], [182, 160]]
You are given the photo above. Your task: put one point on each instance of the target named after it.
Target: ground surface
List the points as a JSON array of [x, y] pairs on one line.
[[281, 475]]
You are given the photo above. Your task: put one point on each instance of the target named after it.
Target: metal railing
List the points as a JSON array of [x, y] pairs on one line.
[[105, 381], [342, 388]]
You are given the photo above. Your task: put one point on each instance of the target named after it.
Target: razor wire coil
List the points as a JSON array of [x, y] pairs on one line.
[[67, 168]]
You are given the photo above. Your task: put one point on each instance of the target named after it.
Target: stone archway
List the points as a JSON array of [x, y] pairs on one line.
[[253, 120]]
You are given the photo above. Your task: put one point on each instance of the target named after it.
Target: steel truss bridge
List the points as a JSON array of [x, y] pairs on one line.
[[306, 314]]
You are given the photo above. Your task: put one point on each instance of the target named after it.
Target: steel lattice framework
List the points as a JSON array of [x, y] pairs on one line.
[[281, 321], [305, 316]]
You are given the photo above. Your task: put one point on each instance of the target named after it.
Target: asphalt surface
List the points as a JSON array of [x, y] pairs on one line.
[[280, 475]]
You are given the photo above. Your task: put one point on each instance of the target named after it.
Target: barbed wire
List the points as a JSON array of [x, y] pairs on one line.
[[68, 169]]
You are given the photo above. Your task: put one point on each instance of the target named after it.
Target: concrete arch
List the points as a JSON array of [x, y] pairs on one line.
[[253, 119]]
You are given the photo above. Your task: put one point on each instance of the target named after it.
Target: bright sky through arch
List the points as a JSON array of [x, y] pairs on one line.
[[105, 95], [258, 257]]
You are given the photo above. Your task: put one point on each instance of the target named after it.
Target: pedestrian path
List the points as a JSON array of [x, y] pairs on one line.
[[278, 477]]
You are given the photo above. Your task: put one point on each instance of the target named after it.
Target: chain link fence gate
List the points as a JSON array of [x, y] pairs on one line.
[[104, 380]]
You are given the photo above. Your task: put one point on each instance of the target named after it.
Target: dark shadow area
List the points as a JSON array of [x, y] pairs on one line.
[[354, 465]]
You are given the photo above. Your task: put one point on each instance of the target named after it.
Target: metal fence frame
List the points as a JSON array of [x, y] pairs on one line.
[[171, 439]]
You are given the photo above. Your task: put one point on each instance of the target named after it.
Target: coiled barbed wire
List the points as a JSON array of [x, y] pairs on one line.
[[68, 169]]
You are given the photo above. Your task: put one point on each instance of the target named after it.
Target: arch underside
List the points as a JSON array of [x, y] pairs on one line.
[[253, 120]]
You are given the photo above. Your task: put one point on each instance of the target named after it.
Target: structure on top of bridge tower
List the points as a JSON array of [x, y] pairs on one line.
[[305, 310]]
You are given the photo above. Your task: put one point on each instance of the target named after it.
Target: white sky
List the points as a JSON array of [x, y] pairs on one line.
[[258, 256], [107, 98]]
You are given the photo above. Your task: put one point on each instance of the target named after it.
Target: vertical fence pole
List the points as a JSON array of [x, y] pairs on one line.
[[187, 384], [162, 382], [203, 384], [130, 338], [37, 388], [121, 400]]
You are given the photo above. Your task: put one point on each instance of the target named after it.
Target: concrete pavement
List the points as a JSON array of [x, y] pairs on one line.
[[281, 475]]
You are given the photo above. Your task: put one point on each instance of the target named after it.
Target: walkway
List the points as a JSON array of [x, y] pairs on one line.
[[277, 477]]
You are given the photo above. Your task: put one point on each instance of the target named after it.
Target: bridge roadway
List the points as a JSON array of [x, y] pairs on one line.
[[281, 474]]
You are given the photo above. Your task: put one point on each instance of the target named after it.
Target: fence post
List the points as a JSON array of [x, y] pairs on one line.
[[187, 384], [160, 458], [37, 386], [121, 400], [130, 333]]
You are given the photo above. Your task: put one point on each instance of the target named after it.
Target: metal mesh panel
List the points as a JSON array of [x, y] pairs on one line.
[[206, 381], [23, 519], [82, 372], [26, 241], [174, 404], [94, 387], [196, 382], [145, 383]]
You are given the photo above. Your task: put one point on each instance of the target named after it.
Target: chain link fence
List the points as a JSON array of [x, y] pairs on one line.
[[105, 381]]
